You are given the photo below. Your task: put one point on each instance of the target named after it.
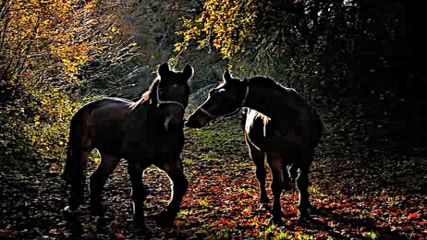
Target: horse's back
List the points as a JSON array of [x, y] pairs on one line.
[[279, 135], [101, 103], [100, 124]]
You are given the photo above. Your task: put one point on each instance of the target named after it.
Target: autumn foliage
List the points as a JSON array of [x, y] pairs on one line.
[[224, 25], [43, 45]]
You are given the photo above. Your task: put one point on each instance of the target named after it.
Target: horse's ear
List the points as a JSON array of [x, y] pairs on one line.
[[227, 76], [188, 72], [163, 69]]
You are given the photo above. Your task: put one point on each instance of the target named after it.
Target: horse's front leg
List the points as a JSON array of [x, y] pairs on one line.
[[138, 192], [175, 172]]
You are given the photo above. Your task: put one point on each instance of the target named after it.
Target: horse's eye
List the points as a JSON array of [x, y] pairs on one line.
[[221, 90]]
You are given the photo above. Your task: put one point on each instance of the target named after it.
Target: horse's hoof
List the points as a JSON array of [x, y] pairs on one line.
[[164, 220], [304, 220], [287, 187], [314, 211], [101, 224], [97, 210], [142, 230], [305, 213], [138, 221], [264, 206], [69, 211], [304, 217], [275, 221]]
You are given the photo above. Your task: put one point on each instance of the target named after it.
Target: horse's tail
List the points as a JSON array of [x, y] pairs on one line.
[[73, 162], [78, 144]]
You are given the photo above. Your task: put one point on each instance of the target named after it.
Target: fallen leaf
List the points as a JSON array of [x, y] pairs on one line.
[[413, 216]]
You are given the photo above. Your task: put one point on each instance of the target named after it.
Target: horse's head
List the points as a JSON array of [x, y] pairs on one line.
[[172, 94], [224, 100]]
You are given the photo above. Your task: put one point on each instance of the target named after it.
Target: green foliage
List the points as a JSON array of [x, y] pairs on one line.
[[282, 236], [204, 203], [372, 235], [47, 129], [223, 142]]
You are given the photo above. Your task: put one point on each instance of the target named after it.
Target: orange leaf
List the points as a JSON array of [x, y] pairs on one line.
[[179, 223], [293, 212], [394, 214], [227, 223], [414, 216], [119, 235]]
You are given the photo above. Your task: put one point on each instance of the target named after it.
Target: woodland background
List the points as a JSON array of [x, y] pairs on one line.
[[359, 62]]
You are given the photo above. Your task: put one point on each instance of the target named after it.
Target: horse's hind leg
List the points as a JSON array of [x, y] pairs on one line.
[[179, 186], [258, 157], [302, 183], [77, 179], [98, 179], [277, 166]]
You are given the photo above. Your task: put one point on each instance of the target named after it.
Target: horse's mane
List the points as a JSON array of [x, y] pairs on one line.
[[264, 118], [148, 95], [270, 83]]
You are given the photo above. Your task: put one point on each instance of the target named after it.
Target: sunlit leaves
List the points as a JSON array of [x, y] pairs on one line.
[[225, 25], [43, 46], [36, 30], [49, 127]]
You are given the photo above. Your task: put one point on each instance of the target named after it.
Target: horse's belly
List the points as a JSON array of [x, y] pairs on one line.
[[107, 141], [108, 146], [152, 150], [281, 142]]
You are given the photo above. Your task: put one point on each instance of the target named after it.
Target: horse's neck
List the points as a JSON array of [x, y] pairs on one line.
[[148, 100], [269, 101], [145, 110]]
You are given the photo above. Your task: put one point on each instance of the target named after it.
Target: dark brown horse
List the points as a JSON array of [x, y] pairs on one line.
[[149, 131], [280, 126]]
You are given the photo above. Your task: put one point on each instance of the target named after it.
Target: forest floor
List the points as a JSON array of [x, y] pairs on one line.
[[358, 195]]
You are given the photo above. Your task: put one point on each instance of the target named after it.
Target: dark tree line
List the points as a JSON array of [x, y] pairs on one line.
[[370, 51]]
